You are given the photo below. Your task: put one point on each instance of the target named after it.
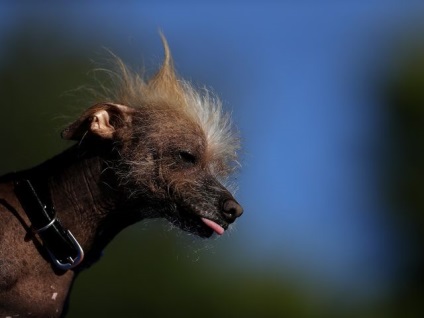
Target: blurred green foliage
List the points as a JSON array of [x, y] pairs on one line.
[[403, 94], [150, 273], [33, 85]]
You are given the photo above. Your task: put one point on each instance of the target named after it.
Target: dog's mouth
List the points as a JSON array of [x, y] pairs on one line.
[[200, 224], [218, 229]]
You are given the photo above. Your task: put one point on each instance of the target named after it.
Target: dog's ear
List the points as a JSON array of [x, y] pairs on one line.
[[101, 120]]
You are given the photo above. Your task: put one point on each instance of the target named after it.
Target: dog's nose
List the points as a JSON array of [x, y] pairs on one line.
[[231, 210]]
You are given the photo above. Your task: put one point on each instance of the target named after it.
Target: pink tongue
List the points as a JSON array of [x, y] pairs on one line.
[[216, 227]]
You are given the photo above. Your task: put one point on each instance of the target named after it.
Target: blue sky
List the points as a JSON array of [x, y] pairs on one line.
[[297, 78]]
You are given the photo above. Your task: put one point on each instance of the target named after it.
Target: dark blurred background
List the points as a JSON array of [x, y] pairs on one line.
[[329, 99]]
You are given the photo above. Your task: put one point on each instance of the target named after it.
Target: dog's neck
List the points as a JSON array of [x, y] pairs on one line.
[[85, 200]]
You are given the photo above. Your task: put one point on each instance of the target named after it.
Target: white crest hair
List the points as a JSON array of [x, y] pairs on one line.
[[200, 104]]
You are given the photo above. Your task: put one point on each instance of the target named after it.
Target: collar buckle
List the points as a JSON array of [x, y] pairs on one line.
[[64, 250], [72, 261]]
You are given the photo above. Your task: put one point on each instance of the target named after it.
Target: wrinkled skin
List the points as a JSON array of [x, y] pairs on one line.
[[174, 167]]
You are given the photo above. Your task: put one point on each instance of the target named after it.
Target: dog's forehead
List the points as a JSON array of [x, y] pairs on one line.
[[166, 125]]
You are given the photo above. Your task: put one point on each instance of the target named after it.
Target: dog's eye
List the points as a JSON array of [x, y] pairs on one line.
[[187, 157]]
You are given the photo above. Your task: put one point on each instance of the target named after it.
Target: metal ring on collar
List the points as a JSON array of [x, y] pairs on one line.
[[42, 229]]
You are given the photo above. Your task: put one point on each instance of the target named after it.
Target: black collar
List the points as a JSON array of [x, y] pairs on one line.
[[64, 250]]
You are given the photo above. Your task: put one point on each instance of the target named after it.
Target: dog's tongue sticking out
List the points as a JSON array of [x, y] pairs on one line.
[[214, 226]]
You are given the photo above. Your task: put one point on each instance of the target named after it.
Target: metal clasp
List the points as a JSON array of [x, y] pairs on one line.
[[72, 262]]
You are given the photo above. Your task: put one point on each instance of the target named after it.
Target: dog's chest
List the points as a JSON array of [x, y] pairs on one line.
[[28, 285]]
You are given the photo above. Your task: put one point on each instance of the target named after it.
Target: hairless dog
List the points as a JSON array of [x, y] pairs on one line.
[[156, 148]]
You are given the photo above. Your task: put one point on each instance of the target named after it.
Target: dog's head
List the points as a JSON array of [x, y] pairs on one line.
[[174, 147]]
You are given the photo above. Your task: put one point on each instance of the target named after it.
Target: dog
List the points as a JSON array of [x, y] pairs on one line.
[[156, 148]]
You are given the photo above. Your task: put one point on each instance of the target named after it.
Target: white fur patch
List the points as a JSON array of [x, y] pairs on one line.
[[207, 110]]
